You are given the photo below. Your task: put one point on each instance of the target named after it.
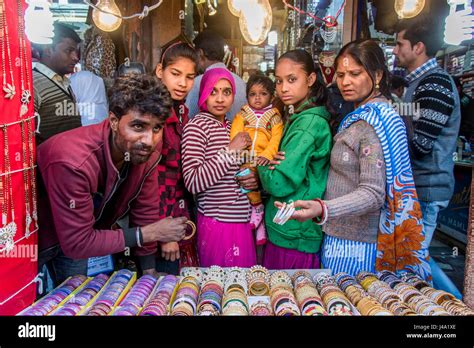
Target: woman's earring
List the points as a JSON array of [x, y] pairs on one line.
[[377, 86]]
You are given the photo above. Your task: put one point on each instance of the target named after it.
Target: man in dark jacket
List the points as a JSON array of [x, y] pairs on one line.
[[93, 176]]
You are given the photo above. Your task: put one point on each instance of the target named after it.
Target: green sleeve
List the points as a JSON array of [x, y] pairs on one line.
[[302, 148]]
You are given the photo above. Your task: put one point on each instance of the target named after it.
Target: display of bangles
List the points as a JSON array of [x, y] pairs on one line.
[[261, 308], [307, 296], [135, 299], [48, 303], [185, 302], [83, 297], [258, 279], [159, 301], [283, 300], [335, 300], [110, 295], [254, 291], [211, 294]]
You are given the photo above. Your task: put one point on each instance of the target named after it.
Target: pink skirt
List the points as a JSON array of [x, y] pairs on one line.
[[225, 244], [275, 257]]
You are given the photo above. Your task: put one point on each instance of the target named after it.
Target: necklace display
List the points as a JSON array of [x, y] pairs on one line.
[[24, 71], [9, 227], [8, 87]]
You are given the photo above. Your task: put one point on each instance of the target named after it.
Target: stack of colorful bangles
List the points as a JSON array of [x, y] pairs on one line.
[[133, 302], [235, 292], [353, 290], [258, 279], [107, 299], [185, 302], [260, 309], [48, 303], [212, 290], [307, 296], [448, 301], [417, 301], [334, 299], [83, 297], [282, 297], [159, 301]]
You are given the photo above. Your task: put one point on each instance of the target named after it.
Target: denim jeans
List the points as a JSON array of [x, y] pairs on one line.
[[60, 267], [430, 212]]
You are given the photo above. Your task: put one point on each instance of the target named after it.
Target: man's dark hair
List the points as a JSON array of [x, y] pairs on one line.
[[142, 93], [211, 44], [61, 32], [259, 79], [422, 28], [397, 82]]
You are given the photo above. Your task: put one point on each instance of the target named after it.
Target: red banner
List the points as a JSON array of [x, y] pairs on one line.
[[18, 261]]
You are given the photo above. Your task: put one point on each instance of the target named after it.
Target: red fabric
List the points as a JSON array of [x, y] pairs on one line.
[[82, 230], [18, 268]]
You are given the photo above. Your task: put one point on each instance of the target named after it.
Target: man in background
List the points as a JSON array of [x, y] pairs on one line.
[[53, 97], [433, 134], [210, 47]]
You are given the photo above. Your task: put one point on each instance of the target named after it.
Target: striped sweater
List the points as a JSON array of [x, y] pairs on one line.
[[208, 170], [56, 107]]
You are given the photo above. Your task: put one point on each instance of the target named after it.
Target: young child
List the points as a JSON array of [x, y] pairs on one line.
[[210, 163], [302, 174], [264, 125], [176, 70]]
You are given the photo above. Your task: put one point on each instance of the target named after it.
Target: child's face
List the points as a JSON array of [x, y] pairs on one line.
[[178, 77], [292, 83], [221, 99], [259, 97]]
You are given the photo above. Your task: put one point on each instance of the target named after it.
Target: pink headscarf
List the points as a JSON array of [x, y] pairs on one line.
[[209, 80]]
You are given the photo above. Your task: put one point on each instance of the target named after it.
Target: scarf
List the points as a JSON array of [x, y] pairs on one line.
[[401, 234], [209, 80]]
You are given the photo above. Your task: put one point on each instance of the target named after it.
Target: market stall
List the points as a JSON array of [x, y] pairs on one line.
[[256, 291]]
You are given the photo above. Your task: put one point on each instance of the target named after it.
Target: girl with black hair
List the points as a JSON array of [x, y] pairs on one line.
[[176, 70], [370, 213], [306, 143]]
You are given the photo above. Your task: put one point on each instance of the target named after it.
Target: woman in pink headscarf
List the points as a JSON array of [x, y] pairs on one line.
[[210, 162]]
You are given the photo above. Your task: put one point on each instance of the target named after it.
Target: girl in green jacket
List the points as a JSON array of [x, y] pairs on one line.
[[302, 174]]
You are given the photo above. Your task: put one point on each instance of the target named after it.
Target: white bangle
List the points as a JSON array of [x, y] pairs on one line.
[[137, 235]]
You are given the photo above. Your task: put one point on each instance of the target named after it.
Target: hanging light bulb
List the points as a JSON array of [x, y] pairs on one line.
[[236, 6], [39, 22], [109, 20], [408, 8], [256, 21], [459, 25]]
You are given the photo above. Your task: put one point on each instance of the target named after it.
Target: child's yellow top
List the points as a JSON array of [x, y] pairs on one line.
[[265, 131]]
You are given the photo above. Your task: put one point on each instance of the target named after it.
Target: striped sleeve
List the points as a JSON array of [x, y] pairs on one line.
[[435, 98], [200, 172]]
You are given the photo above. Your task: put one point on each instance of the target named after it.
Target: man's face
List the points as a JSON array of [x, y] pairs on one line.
[[64, 56], [136, 135], [404, 51]]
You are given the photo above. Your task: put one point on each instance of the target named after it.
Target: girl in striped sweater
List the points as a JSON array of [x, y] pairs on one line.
[[210, 161]]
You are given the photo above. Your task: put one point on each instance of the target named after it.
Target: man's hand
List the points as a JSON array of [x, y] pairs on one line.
[[280, 156], [262, 161], [309, 210], [166, 230], [249, 182], [170, 251], [240, 142]]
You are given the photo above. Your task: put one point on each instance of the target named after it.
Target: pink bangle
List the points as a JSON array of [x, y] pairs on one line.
[[324, 214]]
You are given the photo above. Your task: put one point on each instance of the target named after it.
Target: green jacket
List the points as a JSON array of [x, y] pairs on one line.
[[307, 142]]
